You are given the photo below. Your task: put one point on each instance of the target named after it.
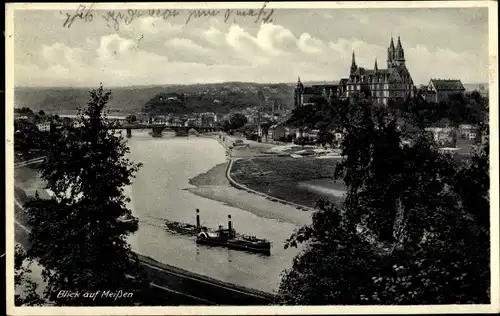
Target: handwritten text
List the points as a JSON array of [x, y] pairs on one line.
[[115, 18], [82, 13]]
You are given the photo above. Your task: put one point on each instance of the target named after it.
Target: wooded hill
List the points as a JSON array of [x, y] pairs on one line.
[[218, 97]]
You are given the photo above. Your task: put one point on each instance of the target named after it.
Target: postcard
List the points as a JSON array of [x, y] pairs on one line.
[[252, 158]]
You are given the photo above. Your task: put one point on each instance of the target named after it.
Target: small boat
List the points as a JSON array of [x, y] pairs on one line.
[[129, 221], [182, 228], [229, 239]]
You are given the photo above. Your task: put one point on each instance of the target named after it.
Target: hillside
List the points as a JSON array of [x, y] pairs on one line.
[[220, 97], [216, 97]]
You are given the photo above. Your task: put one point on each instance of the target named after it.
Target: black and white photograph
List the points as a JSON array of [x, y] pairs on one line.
[[251, 158]]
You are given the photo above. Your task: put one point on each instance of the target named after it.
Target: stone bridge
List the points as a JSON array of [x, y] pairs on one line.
[[159, 128]]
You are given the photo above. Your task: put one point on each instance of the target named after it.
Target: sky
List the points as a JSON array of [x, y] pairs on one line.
[[315, 44]]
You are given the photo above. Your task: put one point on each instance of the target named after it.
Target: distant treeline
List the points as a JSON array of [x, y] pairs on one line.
[[223, 97]]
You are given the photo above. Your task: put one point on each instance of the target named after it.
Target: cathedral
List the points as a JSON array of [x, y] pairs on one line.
[[381, 85]]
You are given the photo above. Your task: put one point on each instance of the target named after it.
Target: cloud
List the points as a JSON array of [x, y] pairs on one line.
[[61, 54], [157, 51], [275, 39], [310, 45], [213, 35]]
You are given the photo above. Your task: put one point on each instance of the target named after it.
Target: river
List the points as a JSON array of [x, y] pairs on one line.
[[159, 192]]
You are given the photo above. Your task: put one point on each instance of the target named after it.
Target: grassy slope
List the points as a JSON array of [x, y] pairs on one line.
[[279, 177]]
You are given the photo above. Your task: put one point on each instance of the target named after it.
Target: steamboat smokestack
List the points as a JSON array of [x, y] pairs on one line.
[[229, 224], [198, 219]]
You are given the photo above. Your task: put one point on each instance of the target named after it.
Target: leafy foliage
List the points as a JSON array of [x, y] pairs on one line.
[[27, 136], [23, 110], [429, 241], [79, 235], [30, 297], [334, 267], [235, 121], [458, 109], [320, 114], [166, 103], [219, 98]]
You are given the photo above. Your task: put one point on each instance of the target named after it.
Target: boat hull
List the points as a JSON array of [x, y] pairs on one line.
[[262, 249], [183, 229]]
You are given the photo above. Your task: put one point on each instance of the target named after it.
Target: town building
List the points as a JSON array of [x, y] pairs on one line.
[[302, 132], [290, 131], [192, 122], [382, 85], [277, 132], [305, 95], [43, 127], [468, 131], [440, 89]]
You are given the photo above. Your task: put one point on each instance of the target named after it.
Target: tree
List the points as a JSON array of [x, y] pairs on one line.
[[320, 114], [422, 247], [41, 113], [79, 235], [325, 138], [336, 266], [237, 120], [23, 110], [28, 137], [451, 264], [30, 297]]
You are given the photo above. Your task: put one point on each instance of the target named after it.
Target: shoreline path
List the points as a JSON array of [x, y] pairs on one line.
[[217, 184]]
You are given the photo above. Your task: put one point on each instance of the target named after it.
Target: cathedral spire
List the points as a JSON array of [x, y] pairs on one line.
[[400, 54], [353, 63], [376, 66], [391, 53]]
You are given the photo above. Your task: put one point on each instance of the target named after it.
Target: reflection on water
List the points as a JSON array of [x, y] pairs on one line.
[[157, 194]]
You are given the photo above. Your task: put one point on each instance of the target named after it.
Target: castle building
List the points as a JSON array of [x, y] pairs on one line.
[[304, 95], [381, 85], [440, 89]]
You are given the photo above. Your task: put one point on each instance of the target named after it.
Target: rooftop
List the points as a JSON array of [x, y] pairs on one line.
[[447, 84]]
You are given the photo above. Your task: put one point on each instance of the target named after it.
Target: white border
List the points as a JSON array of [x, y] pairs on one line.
[[494, 150]]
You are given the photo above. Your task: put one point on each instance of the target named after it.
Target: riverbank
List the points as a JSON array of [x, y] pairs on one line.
[[214, 185], [290, 179], [258, 167], [171, 286]]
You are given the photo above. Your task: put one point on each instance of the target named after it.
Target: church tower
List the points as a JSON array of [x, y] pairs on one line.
[[391, 54], [399, 54], [354, 67], [299, 90], [376, 66]]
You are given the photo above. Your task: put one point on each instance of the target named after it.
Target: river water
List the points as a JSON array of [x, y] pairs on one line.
[[158, 193]]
